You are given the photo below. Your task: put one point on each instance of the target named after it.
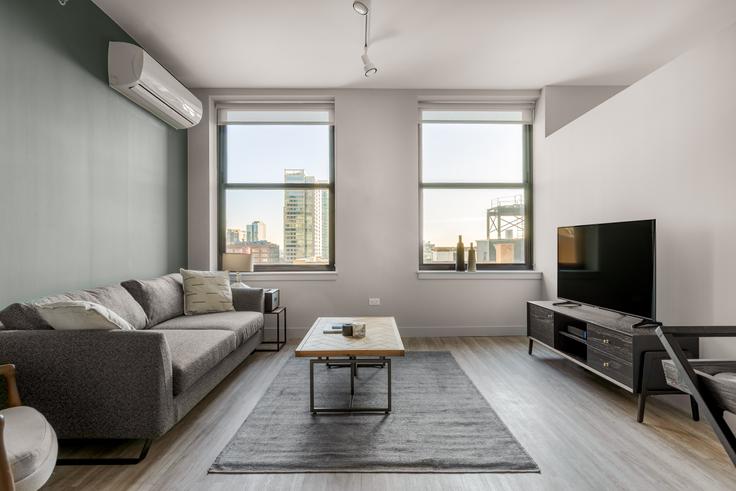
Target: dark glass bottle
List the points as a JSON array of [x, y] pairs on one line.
[[460, 255]]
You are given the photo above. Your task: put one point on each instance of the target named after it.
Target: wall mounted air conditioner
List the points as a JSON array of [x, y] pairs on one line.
[[141, 79]]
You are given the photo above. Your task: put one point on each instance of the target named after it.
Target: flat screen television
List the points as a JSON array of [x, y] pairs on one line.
[[609, 265]]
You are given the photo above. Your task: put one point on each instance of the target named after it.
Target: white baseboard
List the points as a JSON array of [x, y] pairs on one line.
[[429, 332], [460, 331]]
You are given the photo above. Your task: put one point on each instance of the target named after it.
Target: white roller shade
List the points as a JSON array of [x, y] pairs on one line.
[[275, 113], [520, 113]]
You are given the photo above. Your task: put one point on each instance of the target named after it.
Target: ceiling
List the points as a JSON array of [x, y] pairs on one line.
[[422, 44]]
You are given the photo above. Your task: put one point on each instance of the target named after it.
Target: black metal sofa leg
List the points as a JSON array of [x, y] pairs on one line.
[[110, 461]]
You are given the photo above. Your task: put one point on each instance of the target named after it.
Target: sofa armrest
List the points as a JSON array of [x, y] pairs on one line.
[[94, 384], [249, 299]]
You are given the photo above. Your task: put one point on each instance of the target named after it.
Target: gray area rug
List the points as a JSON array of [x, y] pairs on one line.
[[439, 423]]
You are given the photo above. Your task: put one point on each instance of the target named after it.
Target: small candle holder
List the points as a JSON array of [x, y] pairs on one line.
[[358, 329]]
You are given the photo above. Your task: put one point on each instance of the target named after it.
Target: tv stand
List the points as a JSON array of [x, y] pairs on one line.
[[621, 349], [646, 323], [567, 303]]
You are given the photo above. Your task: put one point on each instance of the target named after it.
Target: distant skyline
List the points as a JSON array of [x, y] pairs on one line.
[[451, 153], [465, 216], [260, 154]]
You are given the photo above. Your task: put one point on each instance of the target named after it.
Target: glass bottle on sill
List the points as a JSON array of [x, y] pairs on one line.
[[471, 259], [460, 255]]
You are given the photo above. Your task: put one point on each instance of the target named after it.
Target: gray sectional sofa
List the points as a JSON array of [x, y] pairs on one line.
[[128, 384]]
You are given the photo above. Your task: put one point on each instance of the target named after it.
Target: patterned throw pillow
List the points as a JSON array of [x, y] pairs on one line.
[[206, 292]]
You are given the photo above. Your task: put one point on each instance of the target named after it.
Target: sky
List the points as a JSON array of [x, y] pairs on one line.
[[450, 152], [260, 154]]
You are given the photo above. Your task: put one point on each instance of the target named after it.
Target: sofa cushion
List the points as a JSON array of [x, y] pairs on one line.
[[31, 445], [243, 324], [206, 292], [114, 297], [194, 353], [22, 317], [161, 298]]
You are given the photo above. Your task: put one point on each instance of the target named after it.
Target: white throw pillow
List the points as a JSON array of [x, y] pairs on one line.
[[206, 292], [80, 315]]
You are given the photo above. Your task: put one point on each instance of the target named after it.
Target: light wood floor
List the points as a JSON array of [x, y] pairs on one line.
[[580, 430]]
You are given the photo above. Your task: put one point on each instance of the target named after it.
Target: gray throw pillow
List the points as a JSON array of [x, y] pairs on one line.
[[22, 317], [161, 298]]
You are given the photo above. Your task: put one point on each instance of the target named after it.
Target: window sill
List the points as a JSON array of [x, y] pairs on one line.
[[480, 275], [285, 276]]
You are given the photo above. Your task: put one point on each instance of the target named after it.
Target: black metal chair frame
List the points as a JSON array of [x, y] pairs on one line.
[[709, 408]]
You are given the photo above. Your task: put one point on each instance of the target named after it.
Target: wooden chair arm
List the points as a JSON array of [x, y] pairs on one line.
[[8, 371], [6, 475]]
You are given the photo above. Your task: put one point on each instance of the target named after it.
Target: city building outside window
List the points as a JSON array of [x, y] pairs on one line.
[[475, 182], [277, 189]]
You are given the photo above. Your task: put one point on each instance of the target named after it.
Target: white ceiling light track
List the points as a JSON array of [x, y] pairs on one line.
[[362, 8]]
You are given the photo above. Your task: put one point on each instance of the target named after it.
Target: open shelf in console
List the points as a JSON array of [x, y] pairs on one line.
[[571, 336]]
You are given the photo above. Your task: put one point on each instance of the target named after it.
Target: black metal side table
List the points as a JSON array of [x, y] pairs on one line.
[[279, 343]]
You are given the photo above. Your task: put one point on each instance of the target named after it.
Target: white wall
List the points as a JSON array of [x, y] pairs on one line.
[[377, 227], [565, 103], [663, 148]]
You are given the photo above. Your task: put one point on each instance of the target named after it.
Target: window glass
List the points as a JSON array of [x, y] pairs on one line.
[[492, 220], [473, 152]]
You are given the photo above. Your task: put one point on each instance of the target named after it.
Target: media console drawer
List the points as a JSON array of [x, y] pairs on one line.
[[610, 366], [541, 325], [610, 342]]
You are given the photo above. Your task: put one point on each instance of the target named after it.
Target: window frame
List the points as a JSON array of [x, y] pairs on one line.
[[224, 186], [525, 185]]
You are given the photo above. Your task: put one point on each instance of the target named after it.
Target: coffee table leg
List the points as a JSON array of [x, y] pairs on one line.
[[353, 370], [353, 363], [311, 387], [388, 362]]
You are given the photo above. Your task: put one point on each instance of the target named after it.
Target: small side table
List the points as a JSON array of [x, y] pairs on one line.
[[279, 343]]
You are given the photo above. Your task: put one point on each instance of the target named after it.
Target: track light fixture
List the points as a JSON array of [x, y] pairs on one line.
[[361, 7], [368, 67]]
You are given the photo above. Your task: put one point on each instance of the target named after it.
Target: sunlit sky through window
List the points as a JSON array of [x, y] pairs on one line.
[[450, 152]]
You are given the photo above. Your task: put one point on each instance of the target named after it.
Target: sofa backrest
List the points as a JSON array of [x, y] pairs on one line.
[[114, 297], [21, 317], [161, 298]]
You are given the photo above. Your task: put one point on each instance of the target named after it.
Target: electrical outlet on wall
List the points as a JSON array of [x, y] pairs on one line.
[[374, 301]]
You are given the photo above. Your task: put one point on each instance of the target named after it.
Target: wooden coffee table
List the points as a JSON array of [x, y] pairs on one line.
[[381, 342]]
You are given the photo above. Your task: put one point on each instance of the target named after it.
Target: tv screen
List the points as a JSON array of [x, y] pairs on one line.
[[609, 265]]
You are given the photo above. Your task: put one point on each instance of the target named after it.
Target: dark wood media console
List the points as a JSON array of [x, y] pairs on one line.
[[606, 344]]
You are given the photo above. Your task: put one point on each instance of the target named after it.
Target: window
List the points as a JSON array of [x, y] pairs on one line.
[[277, 189], [475, 167]]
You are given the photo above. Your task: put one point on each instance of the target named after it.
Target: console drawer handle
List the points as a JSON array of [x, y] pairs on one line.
[[605, 364], [605, 341]]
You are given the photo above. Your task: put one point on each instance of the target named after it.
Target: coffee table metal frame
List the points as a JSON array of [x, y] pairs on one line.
[[353, 362]]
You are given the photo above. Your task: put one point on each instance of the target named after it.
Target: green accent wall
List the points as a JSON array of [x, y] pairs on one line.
[[92, 187]]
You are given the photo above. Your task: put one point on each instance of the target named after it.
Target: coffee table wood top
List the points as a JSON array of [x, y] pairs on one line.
[[381, 339]]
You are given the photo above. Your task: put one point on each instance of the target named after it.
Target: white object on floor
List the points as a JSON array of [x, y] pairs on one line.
[[31, 445]]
